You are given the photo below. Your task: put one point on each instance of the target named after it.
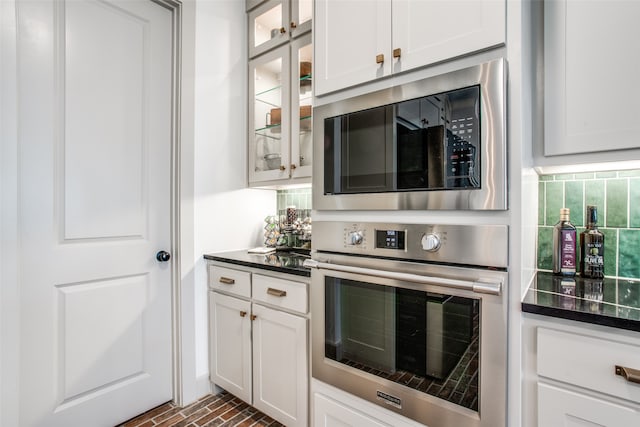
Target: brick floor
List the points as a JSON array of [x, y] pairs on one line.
[[221, 409]]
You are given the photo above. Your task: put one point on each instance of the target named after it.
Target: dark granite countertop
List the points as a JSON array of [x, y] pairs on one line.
[[281, 261], [607, 302]]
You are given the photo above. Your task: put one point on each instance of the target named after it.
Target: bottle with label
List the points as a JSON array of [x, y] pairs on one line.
[[564, 246], [592, 247]]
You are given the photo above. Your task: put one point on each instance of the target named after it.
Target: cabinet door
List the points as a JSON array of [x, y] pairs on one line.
[[349, 36], [430, 31], [301, 96], [280, 376], [559, 407], [230, 344], [301, 14], [268, 26], [591, 93], [269, 116]]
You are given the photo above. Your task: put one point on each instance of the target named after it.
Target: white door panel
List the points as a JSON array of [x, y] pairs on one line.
[[99, 345], [97, 139], [95, 94]]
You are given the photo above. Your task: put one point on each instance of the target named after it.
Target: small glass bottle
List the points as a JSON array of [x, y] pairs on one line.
[[592, 247], [564, 246]]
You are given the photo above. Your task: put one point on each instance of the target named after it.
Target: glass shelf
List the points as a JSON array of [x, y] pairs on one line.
[[264, 92], [271, 104], [270, 131], [306, 78]]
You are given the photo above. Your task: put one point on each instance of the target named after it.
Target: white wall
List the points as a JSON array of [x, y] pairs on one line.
[[226, 215]]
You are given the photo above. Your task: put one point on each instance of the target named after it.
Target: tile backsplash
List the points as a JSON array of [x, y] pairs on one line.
[[617, 196], [299, 197]]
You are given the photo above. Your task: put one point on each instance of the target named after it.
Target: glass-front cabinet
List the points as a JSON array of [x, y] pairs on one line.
[[280, 88], [275, 22], [301, 96]]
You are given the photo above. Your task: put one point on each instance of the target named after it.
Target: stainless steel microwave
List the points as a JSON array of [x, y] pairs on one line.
[[433, 144]]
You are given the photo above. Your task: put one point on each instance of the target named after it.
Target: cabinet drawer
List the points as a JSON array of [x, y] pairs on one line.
[[230, 280], [280, 293], [588, 362], [559, 407]]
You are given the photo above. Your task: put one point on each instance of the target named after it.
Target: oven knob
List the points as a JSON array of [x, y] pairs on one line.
[[430, 242], [355, 238]]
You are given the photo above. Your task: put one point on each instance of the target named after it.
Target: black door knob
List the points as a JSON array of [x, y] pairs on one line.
[[163, 256]]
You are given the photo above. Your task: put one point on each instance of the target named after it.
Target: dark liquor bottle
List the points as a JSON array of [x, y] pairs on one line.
[[564, 246], [592, 247]]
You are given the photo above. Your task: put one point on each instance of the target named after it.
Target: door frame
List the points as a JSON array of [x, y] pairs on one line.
[[175, 7]]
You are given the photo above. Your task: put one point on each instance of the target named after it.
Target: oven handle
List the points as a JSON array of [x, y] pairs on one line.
[[482, 286]]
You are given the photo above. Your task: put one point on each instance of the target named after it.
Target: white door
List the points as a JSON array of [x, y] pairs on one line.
[[95, 123]]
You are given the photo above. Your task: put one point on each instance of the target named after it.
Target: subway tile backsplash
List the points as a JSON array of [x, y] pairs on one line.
[[299, 197], [617, 196]]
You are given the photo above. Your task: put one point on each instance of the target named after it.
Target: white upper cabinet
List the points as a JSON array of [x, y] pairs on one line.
[[356, 42], [269, 113], [280, 114], [591, 69], [352, 43], [275, 22]]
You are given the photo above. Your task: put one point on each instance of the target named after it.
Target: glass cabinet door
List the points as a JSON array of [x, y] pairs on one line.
[[301, 96], [268, 26], [301, 12], [269, 116]]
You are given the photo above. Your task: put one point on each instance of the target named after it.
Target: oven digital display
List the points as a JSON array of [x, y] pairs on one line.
[[390, 239]]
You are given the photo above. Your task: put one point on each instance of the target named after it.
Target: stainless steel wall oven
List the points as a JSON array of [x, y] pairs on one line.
[[413, 318], [437, 143]]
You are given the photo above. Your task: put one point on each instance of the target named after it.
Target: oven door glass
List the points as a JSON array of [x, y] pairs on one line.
[[422, 340], [428, 143]]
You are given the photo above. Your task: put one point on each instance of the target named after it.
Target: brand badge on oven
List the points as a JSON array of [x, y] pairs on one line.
[[389, 400]]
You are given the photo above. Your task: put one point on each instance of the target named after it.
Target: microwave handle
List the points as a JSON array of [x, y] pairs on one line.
[[481, 286]]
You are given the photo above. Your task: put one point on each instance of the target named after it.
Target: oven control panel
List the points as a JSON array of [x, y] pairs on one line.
[[483, 245]]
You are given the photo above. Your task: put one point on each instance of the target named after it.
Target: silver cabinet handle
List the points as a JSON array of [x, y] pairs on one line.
[[631, 375], [226, 281], [276, 292]]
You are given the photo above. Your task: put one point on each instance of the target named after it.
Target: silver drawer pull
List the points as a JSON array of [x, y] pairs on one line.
[[631, 375], [227, 281], [276, 292]]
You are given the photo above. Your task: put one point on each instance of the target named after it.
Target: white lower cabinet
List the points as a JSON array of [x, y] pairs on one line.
[[259, 344], [230, 344], [577, 380], [333, 407], [280, 373], [561, 407], [329, 413]]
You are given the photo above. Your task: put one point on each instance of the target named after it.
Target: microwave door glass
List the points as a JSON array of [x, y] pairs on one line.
[[428, 143]]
